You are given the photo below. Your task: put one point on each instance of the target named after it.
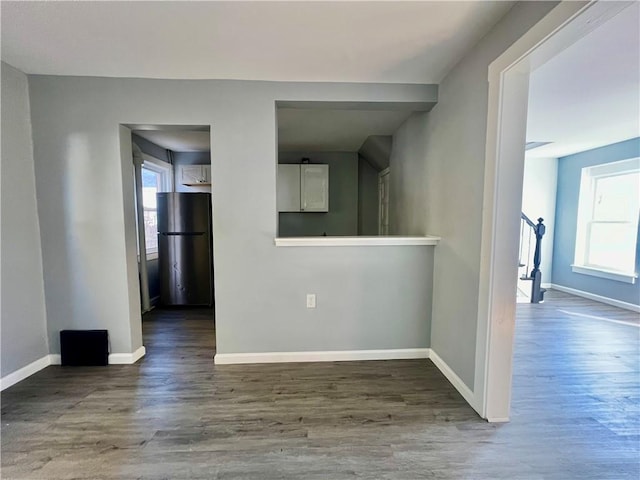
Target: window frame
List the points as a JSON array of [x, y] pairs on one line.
[[163, 168], [586, 220], [164, 171]]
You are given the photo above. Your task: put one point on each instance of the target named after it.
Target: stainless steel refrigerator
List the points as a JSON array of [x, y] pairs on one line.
[[185, 249]]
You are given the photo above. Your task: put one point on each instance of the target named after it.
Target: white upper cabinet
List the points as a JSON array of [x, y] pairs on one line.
[[288, 188], [314, 188], [195, 174], [303, 188]]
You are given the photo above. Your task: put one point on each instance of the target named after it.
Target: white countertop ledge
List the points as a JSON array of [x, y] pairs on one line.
[[355, 241]]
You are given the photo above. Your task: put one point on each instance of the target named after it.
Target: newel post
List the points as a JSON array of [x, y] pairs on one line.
[[537, 293]]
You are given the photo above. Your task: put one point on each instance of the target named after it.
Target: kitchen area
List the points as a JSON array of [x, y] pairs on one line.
[[173, 200], [334, 167]]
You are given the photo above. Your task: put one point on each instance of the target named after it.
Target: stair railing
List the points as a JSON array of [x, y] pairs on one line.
[[537, 230]]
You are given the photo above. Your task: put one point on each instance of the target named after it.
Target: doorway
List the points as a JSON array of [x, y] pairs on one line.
[[172, 171], [506, 133], [161, 162]]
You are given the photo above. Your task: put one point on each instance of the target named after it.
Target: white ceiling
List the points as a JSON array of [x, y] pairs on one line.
[[178, 140], [363, 41], [588, 96], [320, 130]]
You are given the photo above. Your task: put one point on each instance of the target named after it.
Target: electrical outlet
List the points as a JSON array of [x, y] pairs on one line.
[[311, 300]]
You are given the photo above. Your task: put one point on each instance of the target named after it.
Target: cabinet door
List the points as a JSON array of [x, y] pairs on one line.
[[206, 174], [314, 188], [191, 175], [288, 188]]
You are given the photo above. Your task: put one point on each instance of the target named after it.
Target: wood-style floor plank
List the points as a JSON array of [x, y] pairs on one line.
[[175, 415]]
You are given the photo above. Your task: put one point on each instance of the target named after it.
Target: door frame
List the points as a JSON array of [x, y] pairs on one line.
[[508, 79]]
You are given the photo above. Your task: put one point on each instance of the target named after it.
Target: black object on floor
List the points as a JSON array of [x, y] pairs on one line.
[[84, 347]]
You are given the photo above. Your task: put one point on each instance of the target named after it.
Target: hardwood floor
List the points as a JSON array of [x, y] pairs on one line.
[[174, 415]]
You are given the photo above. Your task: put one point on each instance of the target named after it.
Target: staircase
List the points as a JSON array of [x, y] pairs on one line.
[[529, 259]]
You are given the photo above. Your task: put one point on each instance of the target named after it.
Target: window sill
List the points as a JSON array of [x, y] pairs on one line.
[[608, 274], [354, 241]]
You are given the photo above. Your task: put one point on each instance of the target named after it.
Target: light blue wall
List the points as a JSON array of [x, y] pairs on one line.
[[569, 173]]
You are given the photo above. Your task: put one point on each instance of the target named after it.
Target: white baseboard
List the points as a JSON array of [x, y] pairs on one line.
[[24, 372], [498, 420], [545, 285], [114, 358], [126, 358], [597, 298], [455, 380], [328, 356], [139, 353]]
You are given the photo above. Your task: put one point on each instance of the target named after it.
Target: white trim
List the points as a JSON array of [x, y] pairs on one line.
[[126, 358], [454, 379], [603, 273], [498, 419], [354, 241], [24, 372], [114, 358], [589, 178], [321, 356], [598, 298], [165, 169], [138, 354], [545, 285]]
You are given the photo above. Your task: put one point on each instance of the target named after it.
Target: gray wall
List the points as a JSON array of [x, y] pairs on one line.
[[569, 175], [191, 158], [85, 197], [437, 181], [151, 148], [342, 217], [23, 324], [367, 198], [409, 202], [377, 150]]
